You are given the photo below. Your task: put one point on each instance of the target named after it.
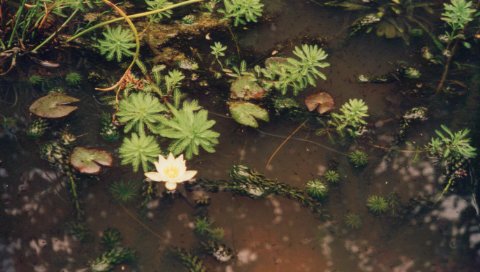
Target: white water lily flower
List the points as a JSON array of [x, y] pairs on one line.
[[171, 170]]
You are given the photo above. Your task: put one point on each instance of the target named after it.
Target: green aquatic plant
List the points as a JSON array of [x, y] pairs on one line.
[[190, 129], [351, 118], [79, 230], [247, 113], [353, 221], [296, 73], [117, 43], [108, 260], [358, 158], [457, 14], [191, 262], [243, 11], [218, 50], [139, 150], [449, 146], [37, 128], [332, 176], [316, 189], [205, 229], [111, 238], [73, 79], [108, 130], [36, 80], [387, 18], [159, 4], [140, 110], [377, 204], [125, 191]]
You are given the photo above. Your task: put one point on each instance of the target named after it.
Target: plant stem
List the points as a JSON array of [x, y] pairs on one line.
[[73, 189], [133, 16], [284, 142], [447, 67], [17, 19], [56, 31]]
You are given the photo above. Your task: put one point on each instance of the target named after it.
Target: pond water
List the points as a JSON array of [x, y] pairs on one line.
[[270, 234]]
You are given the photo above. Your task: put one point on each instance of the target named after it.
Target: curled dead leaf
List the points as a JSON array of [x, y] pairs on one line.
[[321, 101]]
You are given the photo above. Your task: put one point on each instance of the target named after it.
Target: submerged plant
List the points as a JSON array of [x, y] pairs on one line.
[[332, 176], [111, 238], [112, 257], [377, 204], [205, 228], [358, 158], [73, 79], [450, 146], [243, 11], [79, 231], [37, 128], [191, 262], [139, 110], [316, 189], [171, 170], [117, 43], [353, 220], [351, 118], [190, 129], [159, 4], [387, 18], [108, 130], [296, 73], [125, 191], [139, 150], [36, 80]]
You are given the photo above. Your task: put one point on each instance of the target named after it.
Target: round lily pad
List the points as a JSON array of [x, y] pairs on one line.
[[90, 160], [53, 105], [246, 87]]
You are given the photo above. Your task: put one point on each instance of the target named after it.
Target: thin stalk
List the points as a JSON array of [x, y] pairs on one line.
[[56, 31], [133, 16], [17, 20], [447, 67], [73, 189], [284, 142]]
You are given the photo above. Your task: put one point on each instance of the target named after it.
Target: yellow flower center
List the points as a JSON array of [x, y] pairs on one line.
[[171, 172]]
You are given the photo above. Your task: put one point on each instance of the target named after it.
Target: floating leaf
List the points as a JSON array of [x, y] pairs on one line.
[[246, 113], [246, 87], [53, 105], [90, 160], [321, 101]]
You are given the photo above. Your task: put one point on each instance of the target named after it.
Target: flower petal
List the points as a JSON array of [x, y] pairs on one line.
[[155, 176], [189, 175], [170, 157]]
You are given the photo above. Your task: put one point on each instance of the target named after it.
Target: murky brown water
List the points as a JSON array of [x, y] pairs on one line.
[[272, 234]]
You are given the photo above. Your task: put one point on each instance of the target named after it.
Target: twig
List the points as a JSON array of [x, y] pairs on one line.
[[447, 67], [284, 142]]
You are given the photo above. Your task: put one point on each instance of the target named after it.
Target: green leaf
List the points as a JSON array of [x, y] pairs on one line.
[[246, 113]]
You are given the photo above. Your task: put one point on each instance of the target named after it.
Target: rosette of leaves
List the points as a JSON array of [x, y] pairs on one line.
[[377, 204], [296, 73], [358, 158], [316, 189], [125, 191], [159, 4], [190, 129], [351, 118], [139, 110], [450, 146], [243, 11], [247, 113], [117, 43], [139, 149]]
